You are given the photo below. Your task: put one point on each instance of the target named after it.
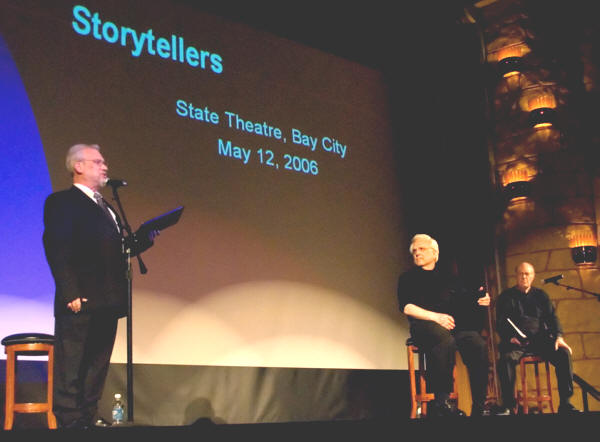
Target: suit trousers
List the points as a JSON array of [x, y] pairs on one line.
[[83, 347]]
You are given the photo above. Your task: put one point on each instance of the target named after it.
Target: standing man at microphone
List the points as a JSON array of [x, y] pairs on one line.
[[85, 250], [527, 310]]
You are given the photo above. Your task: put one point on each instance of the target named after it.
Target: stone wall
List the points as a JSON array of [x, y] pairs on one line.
[[558, 164]]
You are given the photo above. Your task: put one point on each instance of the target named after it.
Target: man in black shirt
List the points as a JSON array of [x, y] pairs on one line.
[[444, 317], [532, 314]]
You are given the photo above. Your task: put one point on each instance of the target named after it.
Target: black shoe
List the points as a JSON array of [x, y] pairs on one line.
[[568, 408], [443, 409], [479, 411], [101, 423], [79, 424], [502, 411]]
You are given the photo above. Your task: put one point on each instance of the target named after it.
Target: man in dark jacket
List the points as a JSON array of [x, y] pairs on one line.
[[444, 317], [526, 321], [85, 250]]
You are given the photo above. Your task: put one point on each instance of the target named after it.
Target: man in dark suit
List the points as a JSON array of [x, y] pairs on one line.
[[85, 250]]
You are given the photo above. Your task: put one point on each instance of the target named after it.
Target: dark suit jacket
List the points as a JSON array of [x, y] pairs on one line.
[[84, 250]]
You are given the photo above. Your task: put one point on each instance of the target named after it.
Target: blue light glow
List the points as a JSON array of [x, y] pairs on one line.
[[24, 275]]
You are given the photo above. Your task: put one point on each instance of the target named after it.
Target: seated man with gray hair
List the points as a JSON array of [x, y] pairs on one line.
[[445, 317]]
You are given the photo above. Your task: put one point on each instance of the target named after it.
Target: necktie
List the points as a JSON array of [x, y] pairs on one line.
[[103, 205]]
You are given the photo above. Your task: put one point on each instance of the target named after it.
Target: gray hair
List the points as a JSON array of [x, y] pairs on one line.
[[423, 236], [74, 154]]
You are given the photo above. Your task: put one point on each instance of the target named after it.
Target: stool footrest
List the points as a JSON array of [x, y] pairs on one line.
[[534, 397], [31, 407]]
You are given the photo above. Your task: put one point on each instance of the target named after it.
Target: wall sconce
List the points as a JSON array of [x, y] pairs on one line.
[[583, 247], [541, 110], [517, 182], [510, 61]]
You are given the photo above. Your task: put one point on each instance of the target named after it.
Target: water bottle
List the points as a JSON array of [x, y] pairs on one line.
[[117, 410]]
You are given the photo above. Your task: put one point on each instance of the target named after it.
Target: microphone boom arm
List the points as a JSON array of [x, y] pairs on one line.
[[568, 287]]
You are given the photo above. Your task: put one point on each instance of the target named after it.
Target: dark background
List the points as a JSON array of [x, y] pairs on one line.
[[433, 63]]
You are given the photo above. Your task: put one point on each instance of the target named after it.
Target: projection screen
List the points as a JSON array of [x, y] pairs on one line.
[[291, 241]]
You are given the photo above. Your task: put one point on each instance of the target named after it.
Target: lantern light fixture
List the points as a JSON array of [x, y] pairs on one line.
[[583, 247], [517, 182], [510, 60], [542, 110]]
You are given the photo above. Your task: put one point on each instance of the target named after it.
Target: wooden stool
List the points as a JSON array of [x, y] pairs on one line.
[[27, 344], [421, 397], [523, 397]]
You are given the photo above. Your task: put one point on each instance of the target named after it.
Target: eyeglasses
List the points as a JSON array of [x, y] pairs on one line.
[[98, 162], [421, 249]]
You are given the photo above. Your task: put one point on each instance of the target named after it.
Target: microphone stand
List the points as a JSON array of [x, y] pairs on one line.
[[492, 344], [143, 270], [568, 287]]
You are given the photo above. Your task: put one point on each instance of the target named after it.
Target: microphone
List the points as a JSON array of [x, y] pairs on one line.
[[114, 183], [553, 279]]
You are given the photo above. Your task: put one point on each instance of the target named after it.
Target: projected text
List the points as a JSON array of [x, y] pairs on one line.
[[173, 48], [262, 155]]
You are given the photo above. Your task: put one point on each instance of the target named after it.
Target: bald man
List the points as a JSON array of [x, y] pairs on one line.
[[532, 312]]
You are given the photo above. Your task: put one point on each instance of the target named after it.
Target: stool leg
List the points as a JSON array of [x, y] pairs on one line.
[[549, 386], [9, 409], [516, 396], [538, 387], [413, 383], [454, 392], [423, 384], [50, 414], [524, 394]]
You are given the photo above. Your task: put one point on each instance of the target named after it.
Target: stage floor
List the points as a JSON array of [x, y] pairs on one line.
[[541, 427]]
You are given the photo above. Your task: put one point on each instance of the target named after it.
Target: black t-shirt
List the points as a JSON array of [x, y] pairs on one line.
[[440, 292]]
